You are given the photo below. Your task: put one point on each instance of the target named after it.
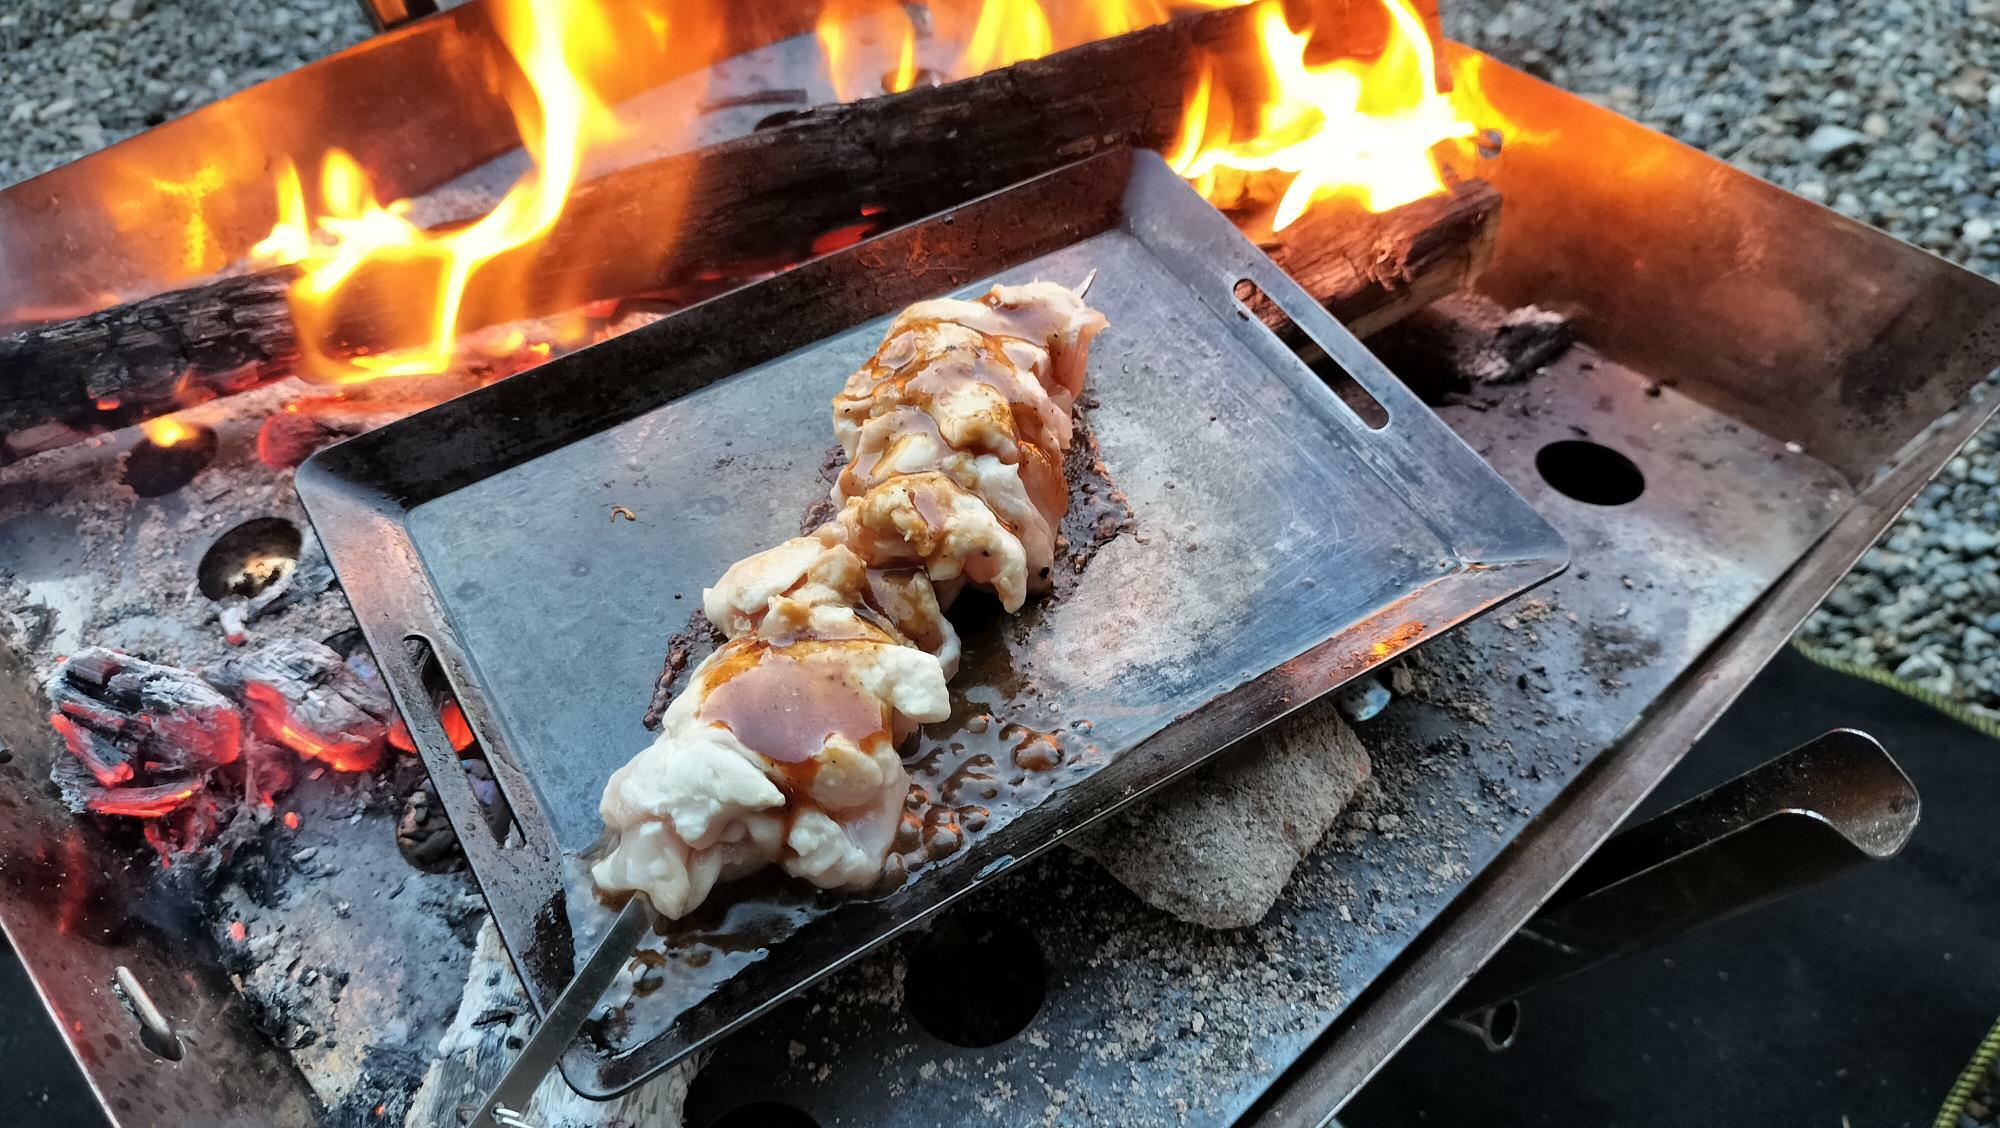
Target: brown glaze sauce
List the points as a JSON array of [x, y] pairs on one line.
[[925, 503], [905, 423], [914, 367], [1034, 751], [888, 597], [784, 706]]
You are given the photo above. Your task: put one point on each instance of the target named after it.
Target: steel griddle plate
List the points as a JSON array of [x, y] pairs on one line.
[[1283, 548]]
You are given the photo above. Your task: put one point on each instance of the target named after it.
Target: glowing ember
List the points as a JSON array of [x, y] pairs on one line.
[[143, 802], [356, 243], [271, 718], [455, 729], [166, 432], [291, 820], [238, 932], [1364, 129]]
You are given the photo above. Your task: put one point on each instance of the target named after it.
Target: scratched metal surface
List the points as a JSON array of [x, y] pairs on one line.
[[1283, 547]]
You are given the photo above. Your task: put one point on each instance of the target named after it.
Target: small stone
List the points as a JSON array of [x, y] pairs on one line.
[[1831, 142], [1362, 699], [1216, 848], [1976, 230]]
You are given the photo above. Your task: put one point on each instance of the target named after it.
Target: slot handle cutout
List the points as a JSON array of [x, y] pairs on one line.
[[1358, 400], [449, 719]]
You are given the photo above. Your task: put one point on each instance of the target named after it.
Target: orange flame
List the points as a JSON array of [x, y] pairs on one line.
[[1008, 32], [856, 35], [870, 47], [355, 233], [1364, 129], [166, 431]]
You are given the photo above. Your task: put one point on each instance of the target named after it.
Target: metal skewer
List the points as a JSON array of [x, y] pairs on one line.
[[504, 1105]]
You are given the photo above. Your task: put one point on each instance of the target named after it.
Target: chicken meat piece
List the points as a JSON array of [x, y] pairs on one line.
[[775, 753], [782, 749], [816, 586]]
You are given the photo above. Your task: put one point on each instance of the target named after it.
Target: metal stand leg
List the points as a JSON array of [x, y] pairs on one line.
[[1816, 811]]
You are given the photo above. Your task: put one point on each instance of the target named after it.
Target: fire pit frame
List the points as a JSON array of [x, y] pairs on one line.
[[1803, 324]]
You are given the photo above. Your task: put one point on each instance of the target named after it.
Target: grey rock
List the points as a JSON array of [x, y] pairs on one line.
[[76, 77], [1830, 142], [1362, 699], [1216, 849]]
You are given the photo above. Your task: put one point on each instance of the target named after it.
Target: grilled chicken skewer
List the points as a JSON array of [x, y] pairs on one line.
[[782, 749]]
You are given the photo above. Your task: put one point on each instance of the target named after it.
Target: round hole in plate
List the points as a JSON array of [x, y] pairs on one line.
[[153, 470], [764, 1114], [1503, 1022], [977, 979], [249, 558], [1590, 472]]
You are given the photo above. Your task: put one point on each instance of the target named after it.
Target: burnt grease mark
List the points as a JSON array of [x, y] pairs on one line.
[[823, 510], [685, 648], [1098, 510]]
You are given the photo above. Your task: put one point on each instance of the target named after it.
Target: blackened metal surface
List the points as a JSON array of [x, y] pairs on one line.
[[1283, 548]]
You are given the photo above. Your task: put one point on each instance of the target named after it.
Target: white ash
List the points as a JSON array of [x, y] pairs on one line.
[[493, 1021], [1889, 112]]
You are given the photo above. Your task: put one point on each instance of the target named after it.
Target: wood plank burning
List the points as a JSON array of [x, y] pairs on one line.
[[685, 225]]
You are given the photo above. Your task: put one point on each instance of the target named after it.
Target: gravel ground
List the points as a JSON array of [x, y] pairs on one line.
[[75, 77], [1883, 109]]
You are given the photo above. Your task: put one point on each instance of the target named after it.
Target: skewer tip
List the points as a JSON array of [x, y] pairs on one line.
[[1084, 286]]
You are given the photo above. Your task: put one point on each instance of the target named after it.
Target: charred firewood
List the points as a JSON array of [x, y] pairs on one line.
[[145, 742], [137, 726], [746, 206], [1469, 341], [303, 696]]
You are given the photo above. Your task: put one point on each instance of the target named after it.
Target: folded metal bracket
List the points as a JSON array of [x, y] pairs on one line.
[[387, 14], [1825, 807]]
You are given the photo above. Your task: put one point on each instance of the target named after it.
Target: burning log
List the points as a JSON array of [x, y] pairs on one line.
[[144, 358], [688, 223]]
